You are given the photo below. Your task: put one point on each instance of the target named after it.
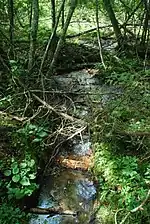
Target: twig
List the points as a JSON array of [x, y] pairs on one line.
[[77, 132], [21, 119], [145, 158], [116, 215], [139, 208], [125, 218]]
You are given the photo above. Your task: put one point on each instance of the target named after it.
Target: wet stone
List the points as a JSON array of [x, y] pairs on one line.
[[86, 189]]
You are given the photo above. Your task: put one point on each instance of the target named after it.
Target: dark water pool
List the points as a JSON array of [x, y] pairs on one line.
[[72, 190]]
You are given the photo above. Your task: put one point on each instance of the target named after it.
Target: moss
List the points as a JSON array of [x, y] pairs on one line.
[[7, 120]]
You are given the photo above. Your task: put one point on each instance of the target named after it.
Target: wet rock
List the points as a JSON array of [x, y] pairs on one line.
[[86, 189]]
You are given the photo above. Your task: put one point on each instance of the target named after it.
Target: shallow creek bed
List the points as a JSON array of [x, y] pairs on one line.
[[70, 187], [69, 184]]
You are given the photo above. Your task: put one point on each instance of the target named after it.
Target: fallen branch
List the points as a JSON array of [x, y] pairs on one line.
[[139, 208], [52, 211], [137, 133], [87, 31], [61, 114], [74, 92], [20, 119], [77, 132]]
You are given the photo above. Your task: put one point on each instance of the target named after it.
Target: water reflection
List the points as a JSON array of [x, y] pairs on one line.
[[73, 190]]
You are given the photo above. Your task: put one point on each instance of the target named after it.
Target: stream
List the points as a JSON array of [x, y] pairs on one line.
[[71, 189], [74, 189]]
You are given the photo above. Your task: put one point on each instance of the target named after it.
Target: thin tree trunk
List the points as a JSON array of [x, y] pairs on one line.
[[61, 41], [33, 32], [29, 10], [53, 13], [63, 17], [145, 29], [146, 22], [111, 14], [11, 25], [52, 37], [98, 34]]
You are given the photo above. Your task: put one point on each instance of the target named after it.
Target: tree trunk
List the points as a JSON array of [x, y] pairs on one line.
[[29, 15], [146, 23], [11, 25], [53, 13], [98, 34], [63, 17], [33, 33], [111, 14], [61, 41], [52, 38]]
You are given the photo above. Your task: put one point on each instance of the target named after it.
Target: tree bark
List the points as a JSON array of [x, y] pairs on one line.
[[33, 33], [98, 34], [52, 211], [111, 14], [52, 38], [145, 34], [53, 13], [61, 41], [11, 25], [63, 17]]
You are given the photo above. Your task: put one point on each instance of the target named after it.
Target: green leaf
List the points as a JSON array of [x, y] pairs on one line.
[[42, 134], [31, 126], [25, 181], [31, 163], [16, 178], [7, 173], [19, 193], [37, 140], [14, 165], [32, 176], [15, 170], [31, 132], [23, 165], [28, 191]]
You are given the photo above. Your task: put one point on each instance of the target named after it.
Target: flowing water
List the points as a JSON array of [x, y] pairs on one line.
[[73, 189]]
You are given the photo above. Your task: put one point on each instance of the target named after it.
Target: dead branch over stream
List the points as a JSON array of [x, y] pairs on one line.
[[64, 115], [52, 211]]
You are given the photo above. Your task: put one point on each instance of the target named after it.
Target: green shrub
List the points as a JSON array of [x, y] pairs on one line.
[[9, 214], [123, 183], [21, 178]]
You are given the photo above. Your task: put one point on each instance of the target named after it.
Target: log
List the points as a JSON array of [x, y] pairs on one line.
[[52, 211], [13, 117], [136, 133]]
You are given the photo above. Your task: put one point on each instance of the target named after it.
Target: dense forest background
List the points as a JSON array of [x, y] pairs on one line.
[[42, 40]]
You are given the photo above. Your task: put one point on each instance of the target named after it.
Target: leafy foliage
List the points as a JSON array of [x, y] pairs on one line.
[[121, 130], [21, 181], [123, 122], [123, 183], [11, 215]]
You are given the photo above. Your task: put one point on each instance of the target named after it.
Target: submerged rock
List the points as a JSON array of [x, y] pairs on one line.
[[86, 189]]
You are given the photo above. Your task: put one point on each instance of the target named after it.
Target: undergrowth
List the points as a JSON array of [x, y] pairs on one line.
[[121, 131], [22, 147]]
